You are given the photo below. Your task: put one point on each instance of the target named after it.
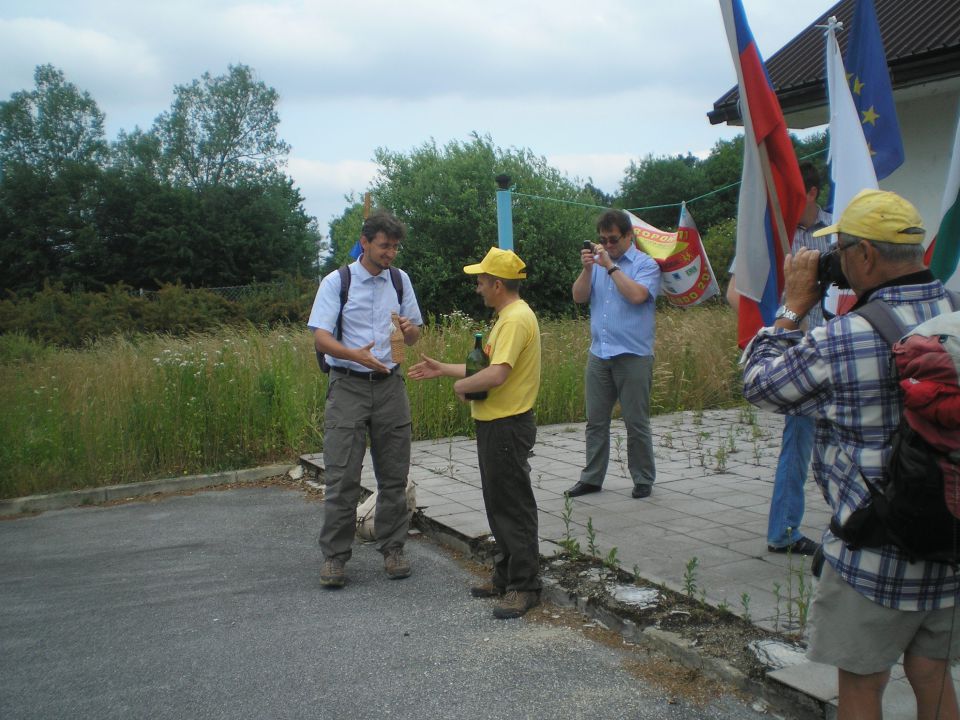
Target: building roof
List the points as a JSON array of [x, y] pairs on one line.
[[921, 38]]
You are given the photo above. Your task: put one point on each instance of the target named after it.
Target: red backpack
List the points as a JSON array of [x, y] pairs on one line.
[[916, 506]]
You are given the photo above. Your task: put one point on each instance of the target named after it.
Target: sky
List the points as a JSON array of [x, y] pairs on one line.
[[590, 86]]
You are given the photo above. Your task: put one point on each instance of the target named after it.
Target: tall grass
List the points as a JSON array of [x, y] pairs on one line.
[[122, 410]]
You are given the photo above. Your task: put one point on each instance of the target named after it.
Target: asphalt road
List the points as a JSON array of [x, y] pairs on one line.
[[209, 606]]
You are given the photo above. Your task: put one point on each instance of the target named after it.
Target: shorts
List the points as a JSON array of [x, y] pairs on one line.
[[855, 634]]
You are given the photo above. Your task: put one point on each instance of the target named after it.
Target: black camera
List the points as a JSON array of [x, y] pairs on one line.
[[829, 272]]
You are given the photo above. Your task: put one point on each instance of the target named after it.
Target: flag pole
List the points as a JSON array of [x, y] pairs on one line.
[[774, 198]]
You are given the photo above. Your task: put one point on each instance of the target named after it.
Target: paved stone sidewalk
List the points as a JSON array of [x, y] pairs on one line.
[[710, 502]]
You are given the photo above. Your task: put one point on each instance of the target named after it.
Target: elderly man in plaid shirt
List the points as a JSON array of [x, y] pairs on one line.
[[871, 605]]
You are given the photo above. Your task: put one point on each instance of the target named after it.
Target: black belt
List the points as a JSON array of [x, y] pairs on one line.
[[370, 376]]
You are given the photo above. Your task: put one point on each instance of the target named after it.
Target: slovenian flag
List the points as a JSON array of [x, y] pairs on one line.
[[771, 191], [945, 255]]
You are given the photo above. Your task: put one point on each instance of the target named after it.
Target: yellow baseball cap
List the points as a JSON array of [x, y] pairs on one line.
[[499, 263], [879, 215]]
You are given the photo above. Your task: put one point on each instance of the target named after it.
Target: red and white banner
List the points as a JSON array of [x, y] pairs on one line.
[[686, 277]]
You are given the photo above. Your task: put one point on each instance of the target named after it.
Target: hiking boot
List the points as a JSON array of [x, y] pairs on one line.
[[396, 563], [487, 590], [333, 574], [516, 603]]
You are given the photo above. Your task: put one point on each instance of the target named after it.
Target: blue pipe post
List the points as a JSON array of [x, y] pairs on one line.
[[504, 213]]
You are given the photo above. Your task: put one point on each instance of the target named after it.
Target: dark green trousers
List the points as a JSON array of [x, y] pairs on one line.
[[503, 449]]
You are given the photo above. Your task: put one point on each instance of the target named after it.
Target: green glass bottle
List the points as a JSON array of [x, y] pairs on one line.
[[477, 360]]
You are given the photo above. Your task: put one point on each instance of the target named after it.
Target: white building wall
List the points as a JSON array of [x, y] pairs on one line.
[[928, 123]]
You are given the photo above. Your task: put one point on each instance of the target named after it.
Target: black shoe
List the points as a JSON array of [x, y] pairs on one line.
[[641, 491], [803, 546], [581, 488]]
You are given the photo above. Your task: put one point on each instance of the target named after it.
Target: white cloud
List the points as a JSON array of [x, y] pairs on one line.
[[109, 67], [324, 185], [605, 170]]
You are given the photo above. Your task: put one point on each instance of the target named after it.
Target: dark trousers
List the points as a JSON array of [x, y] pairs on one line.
[[503, 449]]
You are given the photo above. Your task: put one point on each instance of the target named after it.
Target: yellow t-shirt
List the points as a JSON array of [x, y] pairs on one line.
[[514, 341]]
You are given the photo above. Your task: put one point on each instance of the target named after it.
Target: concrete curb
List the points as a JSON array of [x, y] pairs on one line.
[[780, 698], [96, 496]]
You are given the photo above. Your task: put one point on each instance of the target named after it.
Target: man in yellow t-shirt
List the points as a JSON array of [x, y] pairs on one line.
[[506, 429]]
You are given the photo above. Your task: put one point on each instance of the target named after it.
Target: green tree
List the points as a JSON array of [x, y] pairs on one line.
[[447, 197], [52, 147], [662, 181], [221, 130], [52, 127]]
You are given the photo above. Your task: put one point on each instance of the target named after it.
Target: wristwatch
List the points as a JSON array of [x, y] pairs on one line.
[[784, 312], [613, 269]]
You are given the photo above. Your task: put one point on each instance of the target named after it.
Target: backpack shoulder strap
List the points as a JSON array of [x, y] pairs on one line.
[[345, 278], [397, 279], [884, 320]]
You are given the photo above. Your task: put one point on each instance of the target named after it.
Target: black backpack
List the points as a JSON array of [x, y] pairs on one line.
[[912, 509], [345, 278]]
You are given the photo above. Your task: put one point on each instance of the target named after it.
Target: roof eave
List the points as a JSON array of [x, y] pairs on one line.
[[940, 64]]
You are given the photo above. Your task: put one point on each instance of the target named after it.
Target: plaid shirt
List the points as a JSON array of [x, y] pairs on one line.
[[840, 374]]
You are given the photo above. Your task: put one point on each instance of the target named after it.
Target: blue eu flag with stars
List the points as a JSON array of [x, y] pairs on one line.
[[866, 65]]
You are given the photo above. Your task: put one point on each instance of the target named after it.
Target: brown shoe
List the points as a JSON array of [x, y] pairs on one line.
[[396, 563], [515, 604], [487, 590], [333, 574]]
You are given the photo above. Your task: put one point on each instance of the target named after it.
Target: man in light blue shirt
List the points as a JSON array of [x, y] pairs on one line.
[[621, 284], [366, 393]]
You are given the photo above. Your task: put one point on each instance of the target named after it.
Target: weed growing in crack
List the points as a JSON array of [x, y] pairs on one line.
[[745, 604], [776, 598], [804, 596], [568, 542], [592, 546], [611, 561], [748, 415], [721, 457], [451, 466], [690, 577], [667, 440]]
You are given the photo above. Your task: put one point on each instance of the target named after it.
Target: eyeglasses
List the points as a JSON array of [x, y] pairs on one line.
[[609, 239], [389, 248], [847, 245]]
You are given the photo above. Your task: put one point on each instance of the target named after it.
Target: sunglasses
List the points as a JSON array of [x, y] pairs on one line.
[[609, 240]]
